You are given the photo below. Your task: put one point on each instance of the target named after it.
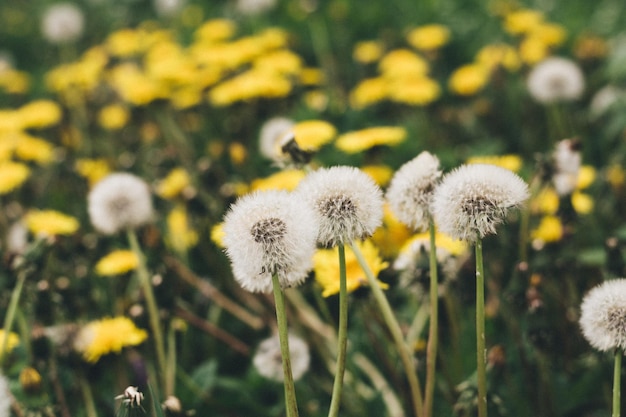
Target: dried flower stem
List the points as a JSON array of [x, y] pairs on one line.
[[431, 350], [617, 373], [396, 333], [153, 312], [281, 320], [481, 352], [342, 334], [10, 315]]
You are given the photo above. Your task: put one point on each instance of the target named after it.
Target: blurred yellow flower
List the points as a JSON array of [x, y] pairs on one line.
[[367, 52], [237, 152], [50, 223], [368, 92], [39, 113], [14, 81], [313, 134], [280, 62], [179, 236], [414, 91], [113, 116], [30, 148], [134, 86], [586, 176], [360, 140], [186, 97], [589, 46], [117, 262], [546, 201], [326, 267], [110, 335], [215, 30], [582, 203], [429, 37], [12, 341], [522, 21], [381, 174], [533, 49], [550, 229], [402, 63], [316, 100], [550, 34], [312, 76], [217, 235], [499, 55], [124, 43], [283, 180], [615, 175], [10, 121], [468, 79], [454, 247], [249, 85], [392, 235], [92, 169], [511, 162], [173, 184], [12, 175]]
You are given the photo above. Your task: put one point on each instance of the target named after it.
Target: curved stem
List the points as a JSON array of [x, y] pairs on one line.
[[481, 352], [617, 373], [431, 350], [342, 335], [396, 332], [10, 316], [283, 336]]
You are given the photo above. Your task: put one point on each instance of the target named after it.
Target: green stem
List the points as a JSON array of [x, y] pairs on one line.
[[283, 336], [10, 316], [85, 388], [617, 373], [342, 334], [170, 376], [153, 312], [396, 332], [431, 349], [481, 352]]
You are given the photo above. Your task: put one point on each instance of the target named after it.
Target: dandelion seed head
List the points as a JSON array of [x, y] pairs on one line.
[[603, 315], [268, 358], [272, 137], [556, 79], [62, 23], [5, 397]]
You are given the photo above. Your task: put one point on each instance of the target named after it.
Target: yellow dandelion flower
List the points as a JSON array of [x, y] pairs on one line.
[[173, 184], [12, 175], [217, 235], [392, 235], [367, 52], [429, 37], [92, 169], [550, 34], [282, 62], [50, 223], [186, 97], [110, 335], [586, 176], [179, 236], [511, 162], [10, 121], [283, 180], [134, 86], [313, 134], [272, 38], [216, 30], [249, 85], [468, 79], [546, 201], [237, 152], [590, 47], [360, 140], [12, 341], [39, 113], [522, 21], [499, 55], [312, 76], [117, 262], [316, 100], [454, 247], [381, 174], [14, 82], [368, 92], [533, 49], [402, 63], [113, 117], [615, 175], [582, 203], [30, 148], [326, 268], [167, 62], [414, 91], [124, 43], [550, 229]]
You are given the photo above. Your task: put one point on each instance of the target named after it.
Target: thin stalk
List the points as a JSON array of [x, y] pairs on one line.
[[481, 352], [433, 332], [90, 405], [283, 336], [10, 316], [170, 376], [396, 333], [342, 335], [617, 372], [153, 312]]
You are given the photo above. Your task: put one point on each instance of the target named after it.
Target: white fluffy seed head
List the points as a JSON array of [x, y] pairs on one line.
[[567, 161], [347, 203], [411, 189], [120, 201], [272, 135], [603, 315], [62, 22], [473, 199], [268, 358], [556, 79], [268, 233]]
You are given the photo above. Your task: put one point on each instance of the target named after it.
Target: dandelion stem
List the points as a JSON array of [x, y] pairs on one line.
[[396, 332], [481, 371], [431, 350], [170, 376], [153, 312], [10, 316], [281, 320], [617, 373], [85, 388], [342, 334]]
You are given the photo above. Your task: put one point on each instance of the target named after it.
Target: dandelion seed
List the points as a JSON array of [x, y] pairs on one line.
[[473, 199], [119, 202], [268, 233], [556, 79], [603, 315], [347, 202], [567, 162], [268, 359]]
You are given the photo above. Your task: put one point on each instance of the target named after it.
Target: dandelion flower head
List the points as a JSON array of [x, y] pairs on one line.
[[117, 262], [268, 358], [429, 37], [556, 79], [411, 189], [12, 175], [110, 335], [11, 343], [50, 223], [272, 133], [603, 315], [266, 233], [363, 139], [347, 202], [118, 202], [62, 22], [473, 199]]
